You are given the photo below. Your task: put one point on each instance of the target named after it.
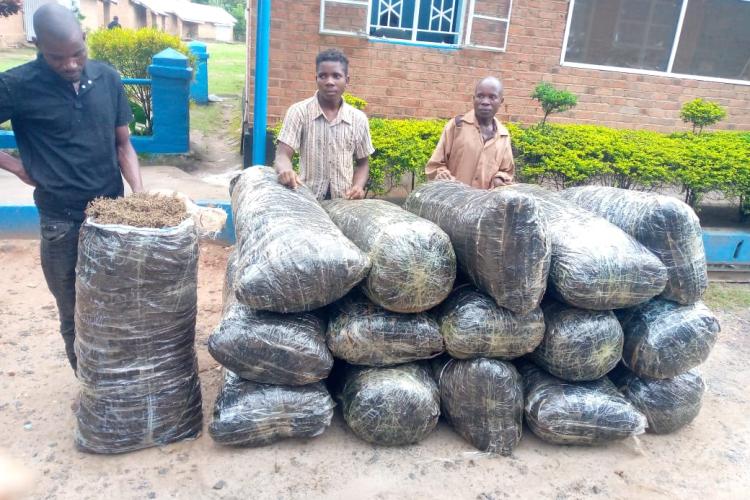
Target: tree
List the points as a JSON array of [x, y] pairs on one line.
[[553, 100], [701, 113], [9, 7]]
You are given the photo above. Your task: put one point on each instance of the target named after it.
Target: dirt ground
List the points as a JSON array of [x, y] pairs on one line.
[[709, 458]]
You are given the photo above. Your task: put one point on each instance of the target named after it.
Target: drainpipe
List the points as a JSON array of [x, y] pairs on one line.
[[260, 103]]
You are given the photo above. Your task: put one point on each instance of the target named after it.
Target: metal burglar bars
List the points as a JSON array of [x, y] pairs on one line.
[[418, 21]]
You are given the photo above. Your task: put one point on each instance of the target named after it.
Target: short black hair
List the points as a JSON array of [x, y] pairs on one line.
[[333, 55]]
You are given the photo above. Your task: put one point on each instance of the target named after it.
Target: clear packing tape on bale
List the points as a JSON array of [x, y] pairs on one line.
[[292, 257], [668, 404], [391, 406], [267, 347], [500, 238], [581, 413], [413, 263], [135, 329], [483, 401], [362, 333], [251, 414], [664, 339], [664, 225], [578, 344], [595, 265], [473, 325]]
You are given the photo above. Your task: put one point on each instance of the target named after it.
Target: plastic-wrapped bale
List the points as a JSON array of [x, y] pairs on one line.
[[391, 406], [668, 404], [268, 347], [413, 263], [577, 413], [500, 238], [595, 265], [483, 401], [365, 334], [473, 326], [135, 330], [578, 345], [291, 256], [664, 225], [251, 414], [664, 339]]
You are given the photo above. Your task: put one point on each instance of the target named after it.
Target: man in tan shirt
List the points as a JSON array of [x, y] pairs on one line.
[[475, 148], [329, 134]]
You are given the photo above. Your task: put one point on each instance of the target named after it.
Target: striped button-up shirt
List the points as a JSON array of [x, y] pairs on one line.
[[327, 149]]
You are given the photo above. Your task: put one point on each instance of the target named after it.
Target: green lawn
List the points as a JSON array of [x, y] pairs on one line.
[[731, 296], [14, 57], [226, 68]]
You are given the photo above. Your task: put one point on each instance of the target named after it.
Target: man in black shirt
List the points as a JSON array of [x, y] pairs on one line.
[[114, 24], [70, 117]]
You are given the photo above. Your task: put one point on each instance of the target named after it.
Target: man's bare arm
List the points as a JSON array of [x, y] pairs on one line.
[[359, 180], [128, 159], [15, 167], [283, 165]]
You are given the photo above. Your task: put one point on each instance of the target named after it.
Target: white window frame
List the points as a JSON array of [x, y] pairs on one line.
[[668, 72], [470, 25], [462, 34]]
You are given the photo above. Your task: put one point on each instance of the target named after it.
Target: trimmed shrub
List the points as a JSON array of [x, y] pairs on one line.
[[701, 113], [553, 100]]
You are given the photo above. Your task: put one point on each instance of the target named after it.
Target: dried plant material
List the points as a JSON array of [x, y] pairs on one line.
[[139, 210]]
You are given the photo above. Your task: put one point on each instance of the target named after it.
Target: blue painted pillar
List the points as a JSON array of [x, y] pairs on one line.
[[170, 91], [199, 85], [260, 103]]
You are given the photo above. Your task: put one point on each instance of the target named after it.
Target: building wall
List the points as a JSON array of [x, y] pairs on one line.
[[12, 32], [410, 81]]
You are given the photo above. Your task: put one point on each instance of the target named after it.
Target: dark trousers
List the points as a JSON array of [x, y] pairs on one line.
[[59, 249]]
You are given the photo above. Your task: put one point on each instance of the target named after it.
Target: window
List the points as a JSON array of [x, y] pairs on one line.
[[708, 39], [478, 23]]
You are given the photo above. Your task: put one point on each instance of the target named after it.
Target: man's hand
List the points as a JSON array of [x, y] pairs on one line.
[[444, 175], [24, 176], [355, 193], [498, 181], [289, 178], [15, 167]]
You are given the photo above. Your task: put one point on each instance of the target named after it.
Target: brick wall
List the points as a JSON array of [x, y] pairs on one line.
[[12, 32], [409, 81]]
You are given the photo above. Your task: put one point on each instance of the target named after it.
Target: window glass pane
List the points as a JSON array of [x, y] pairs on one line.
[[438, 21], [392, 19], [488, 33], [715, 40], [623, 33], [492, 8], [345, 17]]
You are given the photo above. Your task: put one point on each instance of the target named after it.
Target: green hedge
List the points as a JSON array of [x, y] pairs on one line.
[[570, 155]]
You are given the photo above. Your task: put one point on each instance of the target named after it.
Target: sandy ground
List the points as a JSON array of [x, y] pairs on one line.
[[709, 458]]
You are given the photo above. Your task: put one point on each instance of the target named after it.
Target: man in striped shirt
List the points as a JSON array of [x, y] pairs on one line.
[[330, 135]]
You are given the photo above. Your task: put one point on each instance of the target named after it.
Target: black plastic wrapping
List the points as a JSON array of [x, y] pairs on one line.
[[578, 345], [251, 414], [664, 339], [362, 333], [268, 347], [580, 413], [500, 238], [291, 256], [135, 330], [595, 265], [413, 263], [473, 325], [483, 401], [664, 225], [668, 404], [392, 406]]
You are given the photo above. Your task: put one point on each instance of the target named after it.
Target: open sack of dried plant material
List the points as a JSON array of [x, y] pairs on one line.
[[135, 325], [595, 265], [413, 263], [664, 225], [291, 256], [268, 347], [251, 414], [500, 238], [483, 401]]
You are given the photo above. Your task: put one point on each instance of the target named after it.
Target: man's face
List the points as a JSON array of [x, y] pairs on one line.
[[65, 58], [487, 99], [332, 80]]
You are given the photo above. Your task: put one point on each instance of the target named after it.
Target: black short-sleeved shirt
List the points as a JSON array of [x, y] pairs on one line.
[[66, 140]]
